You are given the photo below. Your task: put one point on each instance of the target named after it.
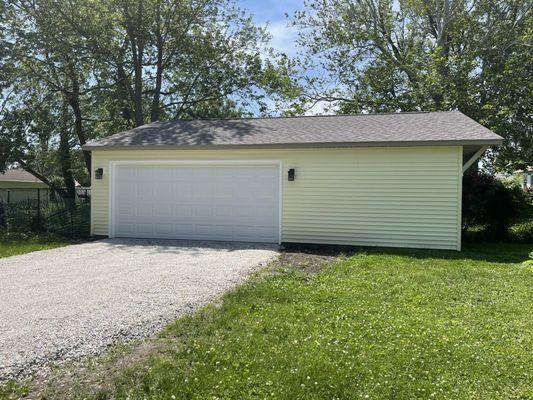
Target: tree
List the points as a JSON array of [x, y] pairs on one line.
[[25, 139], [407, 55], [50, 72], [95, 67], [169, 56]]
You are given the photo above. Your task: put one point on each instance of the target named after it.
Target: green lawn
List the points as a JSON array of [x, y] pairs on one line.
[[20, 244], [384, 324]]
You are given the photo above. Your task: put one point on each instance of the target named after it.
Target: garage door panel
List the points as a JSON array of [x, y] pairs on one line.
[[144, 174], [163, 229], [145, 228], [144, 192], [166, 173], [183, 212], [163, 189], [126, 228], [181, 230], [144, 211], [222, 213], [223, 190], [257, 231], [164, 210], [204, 202], [183, 190]]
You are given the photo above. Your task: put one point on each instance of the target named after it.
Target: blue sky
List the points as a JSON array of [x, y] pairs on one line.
[[273, 13]]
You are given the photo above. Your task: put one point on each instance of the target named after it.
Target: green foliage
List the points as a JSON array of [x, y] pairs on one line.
[[487, 202], [383, 324], [514, 181], [414, 55], [521, 232], [12, 391], [80, 70]]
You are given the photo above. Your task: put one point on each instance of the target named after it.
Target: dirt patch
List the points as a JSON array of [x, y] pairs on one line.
[[98, 373], [308, 259]]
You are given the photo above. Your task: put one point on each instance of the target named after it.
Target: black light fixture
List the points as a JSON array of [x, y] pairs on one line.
[[291, 174], [98, 173]]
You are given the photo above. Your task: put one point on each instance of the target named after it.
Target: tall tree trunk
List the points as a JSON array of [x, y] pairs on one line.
[[73, 98], [138, 96], [154, 115], [64, 154], [135, 31], [125, 90], [444, 54], [156, 106]]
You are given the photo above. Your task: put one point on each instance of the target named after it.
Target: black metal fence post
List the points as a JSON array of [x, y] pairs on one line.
[[70, 211], [3, 219], [39, 207]]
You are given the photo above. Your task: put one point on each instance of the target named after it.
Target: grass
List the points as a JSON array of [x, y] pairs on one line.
[[381, 324], [11, 244], [13, 391]]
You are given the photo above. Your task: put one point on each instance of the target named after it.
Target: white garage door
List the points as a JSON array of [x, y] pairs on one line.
[[198, 202]]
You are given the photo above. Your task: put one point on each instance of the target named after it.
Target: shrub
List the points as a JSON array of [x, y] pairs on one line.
[[489, 203], [37, 223], [522, 232]]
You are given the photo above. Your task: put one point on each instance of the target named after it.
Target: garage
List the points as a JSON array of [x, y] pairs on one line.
[[390, 180], [197, 201]]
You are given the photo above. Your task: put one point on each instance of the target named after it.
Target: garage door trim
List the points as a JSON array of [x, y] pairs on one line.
[[112, 183]]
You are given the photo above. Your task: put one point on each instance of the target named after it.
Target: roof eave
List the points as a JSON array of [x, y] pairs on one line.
[[487, 142], [20, 181]]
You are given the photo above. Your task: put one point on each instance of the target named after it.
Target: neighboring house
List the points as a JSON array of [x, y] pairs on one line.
[[376, 179], [526, 178], [14, 185], [18, 178]]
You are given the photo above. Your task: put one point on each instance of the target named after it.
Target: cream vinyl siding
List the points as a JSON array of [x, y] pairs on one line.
[[379, 196]]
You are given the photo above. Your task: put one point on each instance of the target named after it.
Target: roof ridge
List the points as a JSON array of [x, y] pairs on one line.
[[304, 116]]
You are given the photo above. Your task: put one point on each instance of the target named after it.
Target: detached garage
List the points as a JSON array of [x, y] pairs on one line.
[[371, 180]]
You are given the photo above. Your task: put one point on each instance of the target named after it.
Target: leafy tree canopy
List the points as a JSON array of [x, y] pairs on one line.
[[408, 55], [94, 67]]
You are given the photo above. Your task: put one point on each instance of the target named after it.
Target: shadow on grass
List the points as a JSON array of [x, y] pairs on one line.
[[489, 252]]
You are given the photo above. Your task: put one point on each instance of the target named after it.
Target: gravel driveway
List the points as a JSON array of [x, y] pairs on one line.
[[65, 303]]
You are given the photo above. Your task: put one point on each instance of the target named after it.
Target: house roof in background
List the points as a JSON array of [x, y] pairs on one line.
[[17, 175], [393, 129]]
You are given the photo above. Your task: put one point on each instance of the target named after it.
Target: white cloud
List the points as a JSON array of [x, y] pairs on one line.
[[323, 108], [283, 37]]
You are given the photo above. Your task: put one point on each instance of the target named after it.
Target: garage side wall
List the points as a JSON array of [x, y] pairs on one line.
[[398, 197]]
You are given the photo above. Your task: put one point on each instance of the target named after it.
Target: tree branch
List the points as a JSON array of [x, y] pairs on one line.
[[43, 178]]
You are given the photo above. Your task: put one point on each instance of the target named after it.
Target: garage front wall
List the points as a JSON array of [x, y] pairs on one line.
[[375, 196]]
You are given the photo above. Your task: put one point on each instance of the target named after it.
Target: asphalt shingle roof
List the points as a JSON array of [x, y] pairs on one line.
[[339, 130], [17, 175]]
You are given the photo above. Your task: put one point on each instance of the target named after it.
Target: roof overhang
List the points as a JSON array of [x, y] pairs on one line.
[[19, 180], [427, 143], [470, 157]]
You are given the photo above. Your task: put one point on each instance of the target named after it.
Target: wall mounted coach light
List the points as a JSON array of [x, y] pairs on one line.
[[291, 174], [98, 173]]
